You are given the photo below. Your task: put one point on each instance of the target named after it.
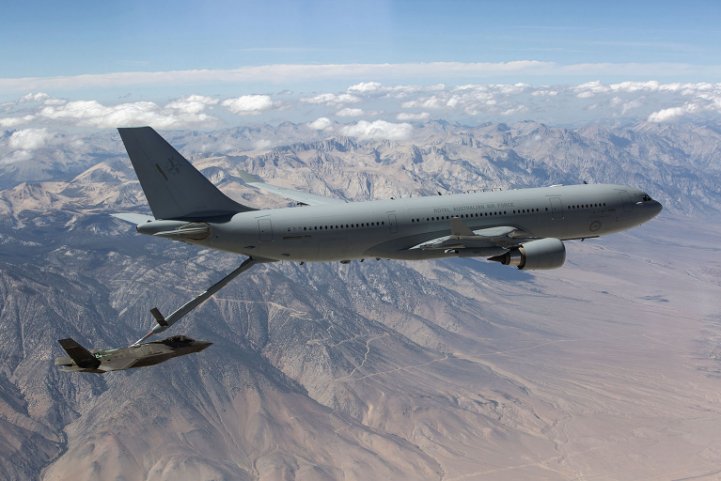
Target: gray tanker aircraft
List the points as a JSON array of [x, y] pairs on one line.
[[525, 228]]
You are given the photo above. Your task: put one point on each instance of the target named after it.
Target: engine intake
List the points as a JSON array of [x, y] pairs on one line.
[[548, 253]]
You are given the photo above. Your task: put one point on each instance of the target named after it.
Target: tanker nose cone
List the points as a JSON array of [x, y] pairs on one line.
[[647, 208], [653, 208]]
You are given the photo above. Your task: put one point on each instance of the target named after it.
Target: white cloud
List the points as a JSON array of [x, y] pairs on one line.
[[29, 139], [34, 97], [515, 110], [321, 123], [432, 102], [192, 104], [649, 100], [348, 112], [263, 144], [282, 73], [544, 93], [249, 104], [626, 107], [409, 117], [651, 85], [514, 89], [364, 87], [422, 72], [589, 89], [15, 121], [94, 114], [331, 99], [672, 113], [379, 129]]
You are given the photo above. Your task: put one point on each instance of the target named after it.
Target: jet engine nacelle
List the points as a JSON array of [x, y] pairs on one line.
[[547, 253]]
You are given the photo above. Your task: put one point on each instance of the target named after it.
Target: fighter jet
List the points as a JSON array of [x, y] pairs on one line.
[[103, 360]]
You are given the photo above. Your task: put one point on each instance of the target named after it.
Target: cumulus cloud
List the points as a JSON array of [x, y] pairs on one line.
[[471, 100], [589, 89], [379, 129], [365, 87], [34, 97], [93, 113], [332, 99], [29, 139], [409, 117], [321, 123], [15, 121], [515, 110], [249, 104], [432, 102], [672, 113], [192, 104], [348, 112], [544, 93], [263, 144], [648, 100], [181, 113]]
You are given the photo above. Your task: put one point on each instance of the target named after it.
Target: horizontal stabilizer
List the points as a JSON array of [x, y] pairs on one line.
[[133, 218], [192, 231], [82, 357]]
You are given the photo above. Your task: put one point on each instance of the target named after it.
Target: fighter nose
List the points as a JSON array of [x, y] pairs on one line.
[[202, 344]]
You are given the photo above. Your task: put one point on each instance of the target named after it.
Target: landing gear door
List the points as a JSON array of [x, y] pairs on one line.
[[265, 229]]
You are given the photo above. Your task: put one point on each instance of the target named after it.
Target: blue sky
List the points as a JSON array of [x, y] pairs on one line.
[[50, 38], [184, 64]]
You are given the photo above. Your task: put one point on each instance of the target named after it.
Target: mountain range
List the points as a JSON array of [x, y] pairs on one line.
[[445, 370]]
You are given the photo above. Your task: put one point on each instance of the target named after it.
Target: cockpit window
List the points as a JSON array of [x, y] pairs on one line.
[[175, 341]]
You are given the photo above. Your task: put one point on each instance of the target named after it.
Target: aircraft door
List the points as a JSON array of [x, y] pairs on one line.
[[265, 229], [392, 222], [556, 208]]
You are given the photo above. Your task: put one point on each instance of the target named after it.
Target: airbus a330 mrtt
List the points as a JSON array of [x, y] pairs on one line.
[[525, 228]]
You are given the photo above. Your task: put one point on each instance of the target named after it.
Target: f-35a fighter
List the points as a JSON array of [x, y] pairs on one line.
[[141, 355]]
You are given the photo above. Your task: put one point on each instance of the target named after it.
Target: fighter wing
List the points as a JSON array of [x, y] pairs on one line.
[[462, 237], [303, 198]]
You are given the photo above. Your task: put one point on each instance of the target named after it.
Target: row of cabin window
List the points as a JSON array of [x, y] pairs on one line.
[[484, 214], [586, 206], [344, 226]]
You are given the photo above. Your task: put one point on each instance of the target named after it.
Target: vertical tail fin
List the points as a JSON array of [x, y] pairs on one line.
[[173, 187], [82, 357]]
